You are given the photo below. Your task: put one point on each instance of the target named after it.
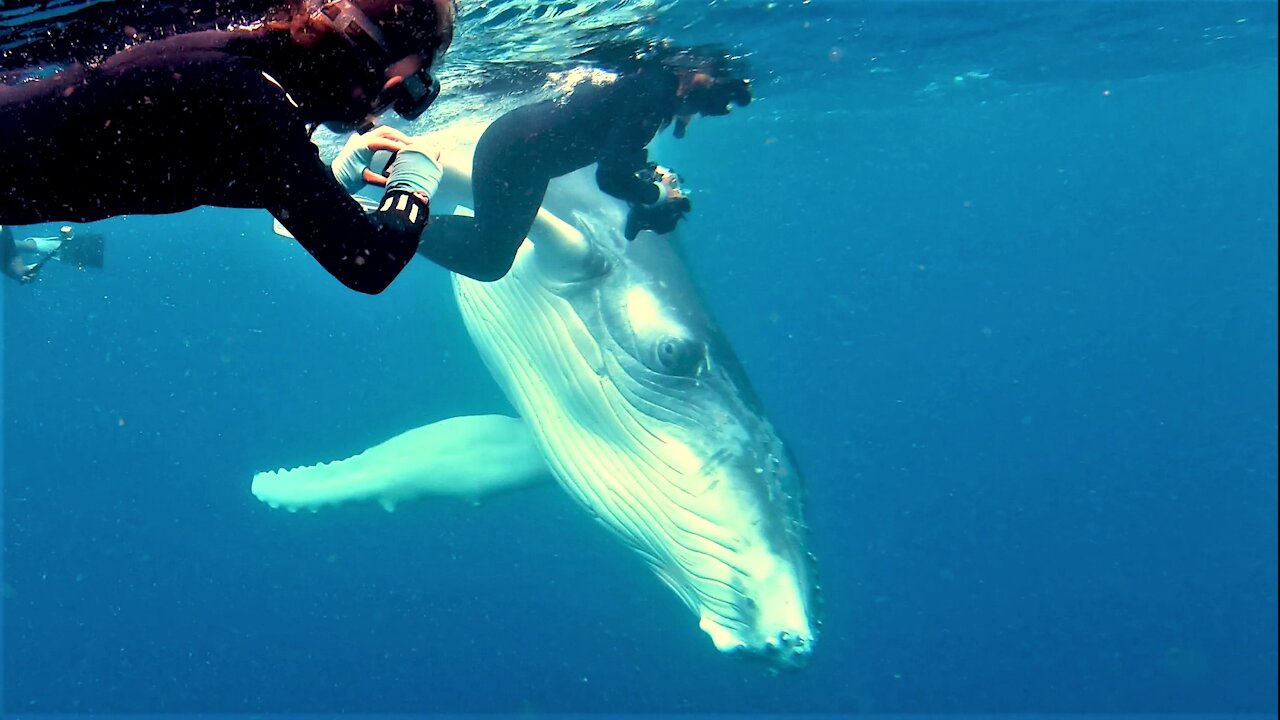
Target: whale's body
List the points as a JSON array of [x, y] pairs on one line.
[[638, 407]]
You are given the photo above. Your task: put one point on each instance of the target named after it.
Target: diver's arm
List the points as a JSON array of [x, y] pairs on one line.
[[364, 252], [39, 244], [617, 175], [630, 110]]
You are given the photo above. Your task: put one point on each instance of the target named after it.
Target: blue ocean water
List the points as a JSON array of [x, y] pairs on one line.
[[1004, 275]]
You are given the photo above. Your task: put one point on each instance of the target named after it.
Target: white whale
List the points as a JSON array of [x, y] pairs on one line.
[[632, 400]]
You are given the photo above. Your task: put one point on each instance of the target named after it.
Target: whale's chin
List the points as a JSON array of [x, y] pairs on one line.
[[774, 624]]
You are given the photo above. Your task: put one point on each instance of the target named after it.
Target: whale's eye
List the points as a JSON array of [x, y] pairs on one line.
[[672, 355]]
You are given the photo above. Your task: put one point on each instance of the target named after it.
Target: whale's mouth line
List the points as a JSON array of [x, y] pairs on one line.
[[731, 608]]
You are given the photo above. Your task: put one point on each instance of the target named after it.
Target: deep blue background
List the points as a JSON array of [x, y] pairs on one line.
[[1022, 337]]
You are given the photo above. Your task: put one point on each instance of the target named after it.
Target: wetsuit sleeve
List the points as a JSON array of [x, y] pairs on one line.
[[8, 247], [616, 174], [629, 112], [363, 251]]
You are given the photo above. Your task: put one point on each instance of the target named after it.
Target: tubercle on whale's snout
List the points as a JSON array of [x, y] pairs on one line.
[[789, 650], [783, 650], [782, 655], [771, 620]]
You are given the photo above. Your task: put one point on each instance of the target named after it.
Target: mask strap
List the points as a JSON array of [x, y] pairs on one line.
[[351, 23]]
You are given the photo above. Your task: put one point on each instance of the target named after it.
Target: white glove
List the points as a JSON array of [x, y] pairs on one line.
[[355, 156], [45, 245], [416, 169]]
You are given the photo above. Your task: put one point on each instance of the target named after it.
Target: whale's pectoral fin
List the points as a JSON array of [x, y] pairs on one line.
[[563, 251], [466, 457]]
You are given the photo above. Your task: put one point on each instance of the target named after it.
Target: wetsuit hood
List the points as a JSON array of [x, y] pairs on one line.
[[712, 96], [386, 35], [326, 80]]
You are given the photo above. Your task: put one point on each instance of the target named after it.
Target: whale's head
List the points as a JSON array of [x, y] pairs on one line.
[[647, 419], [716, 500]]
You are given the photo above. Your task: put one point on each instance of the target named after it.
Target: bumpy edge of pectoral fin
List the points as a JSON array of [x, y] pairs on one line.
[[468, 457]]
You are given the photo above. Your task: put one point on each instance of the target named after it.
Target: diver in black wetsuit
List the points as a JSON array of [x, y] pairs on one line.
[[608, 124], [221, 118], [82, 250]]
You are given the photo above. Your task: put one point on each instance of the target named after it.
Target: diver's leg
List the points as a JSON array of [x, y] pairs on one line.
[[507, 201], [508, 185], [483, 247]]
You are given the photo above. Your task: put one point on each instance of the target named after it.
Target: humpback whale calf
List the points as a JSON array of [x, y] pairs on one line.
[[632, 401]]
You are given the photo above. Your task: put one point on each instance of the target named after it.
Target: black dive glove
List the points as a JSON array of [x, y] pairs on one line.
[[661, 215]]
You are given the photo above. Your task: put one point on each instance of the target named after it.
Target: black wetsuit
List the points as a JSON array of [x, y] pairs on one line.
[[523, 150], [192, 120], [8, 251]]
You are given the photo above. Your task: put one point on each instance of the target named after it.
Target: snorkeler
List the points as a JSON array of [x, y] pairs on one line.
[[610, 124], [221, 118], [84, 250]]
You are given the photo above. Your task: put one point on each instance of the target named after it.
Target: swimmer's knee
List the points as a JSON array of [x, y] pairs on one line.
[[494, 267]]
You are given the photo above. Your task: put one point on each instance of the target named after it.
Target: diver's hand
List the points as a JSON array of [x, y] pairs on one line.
[[669, 191], [660, 218], [416, 169], [22, 272], [351, 167]]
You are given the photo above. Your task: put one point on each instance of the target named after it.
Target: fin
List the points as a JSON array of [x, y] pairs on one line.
[[84, 250], [464, 457], [563, 251], [280, 229]]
